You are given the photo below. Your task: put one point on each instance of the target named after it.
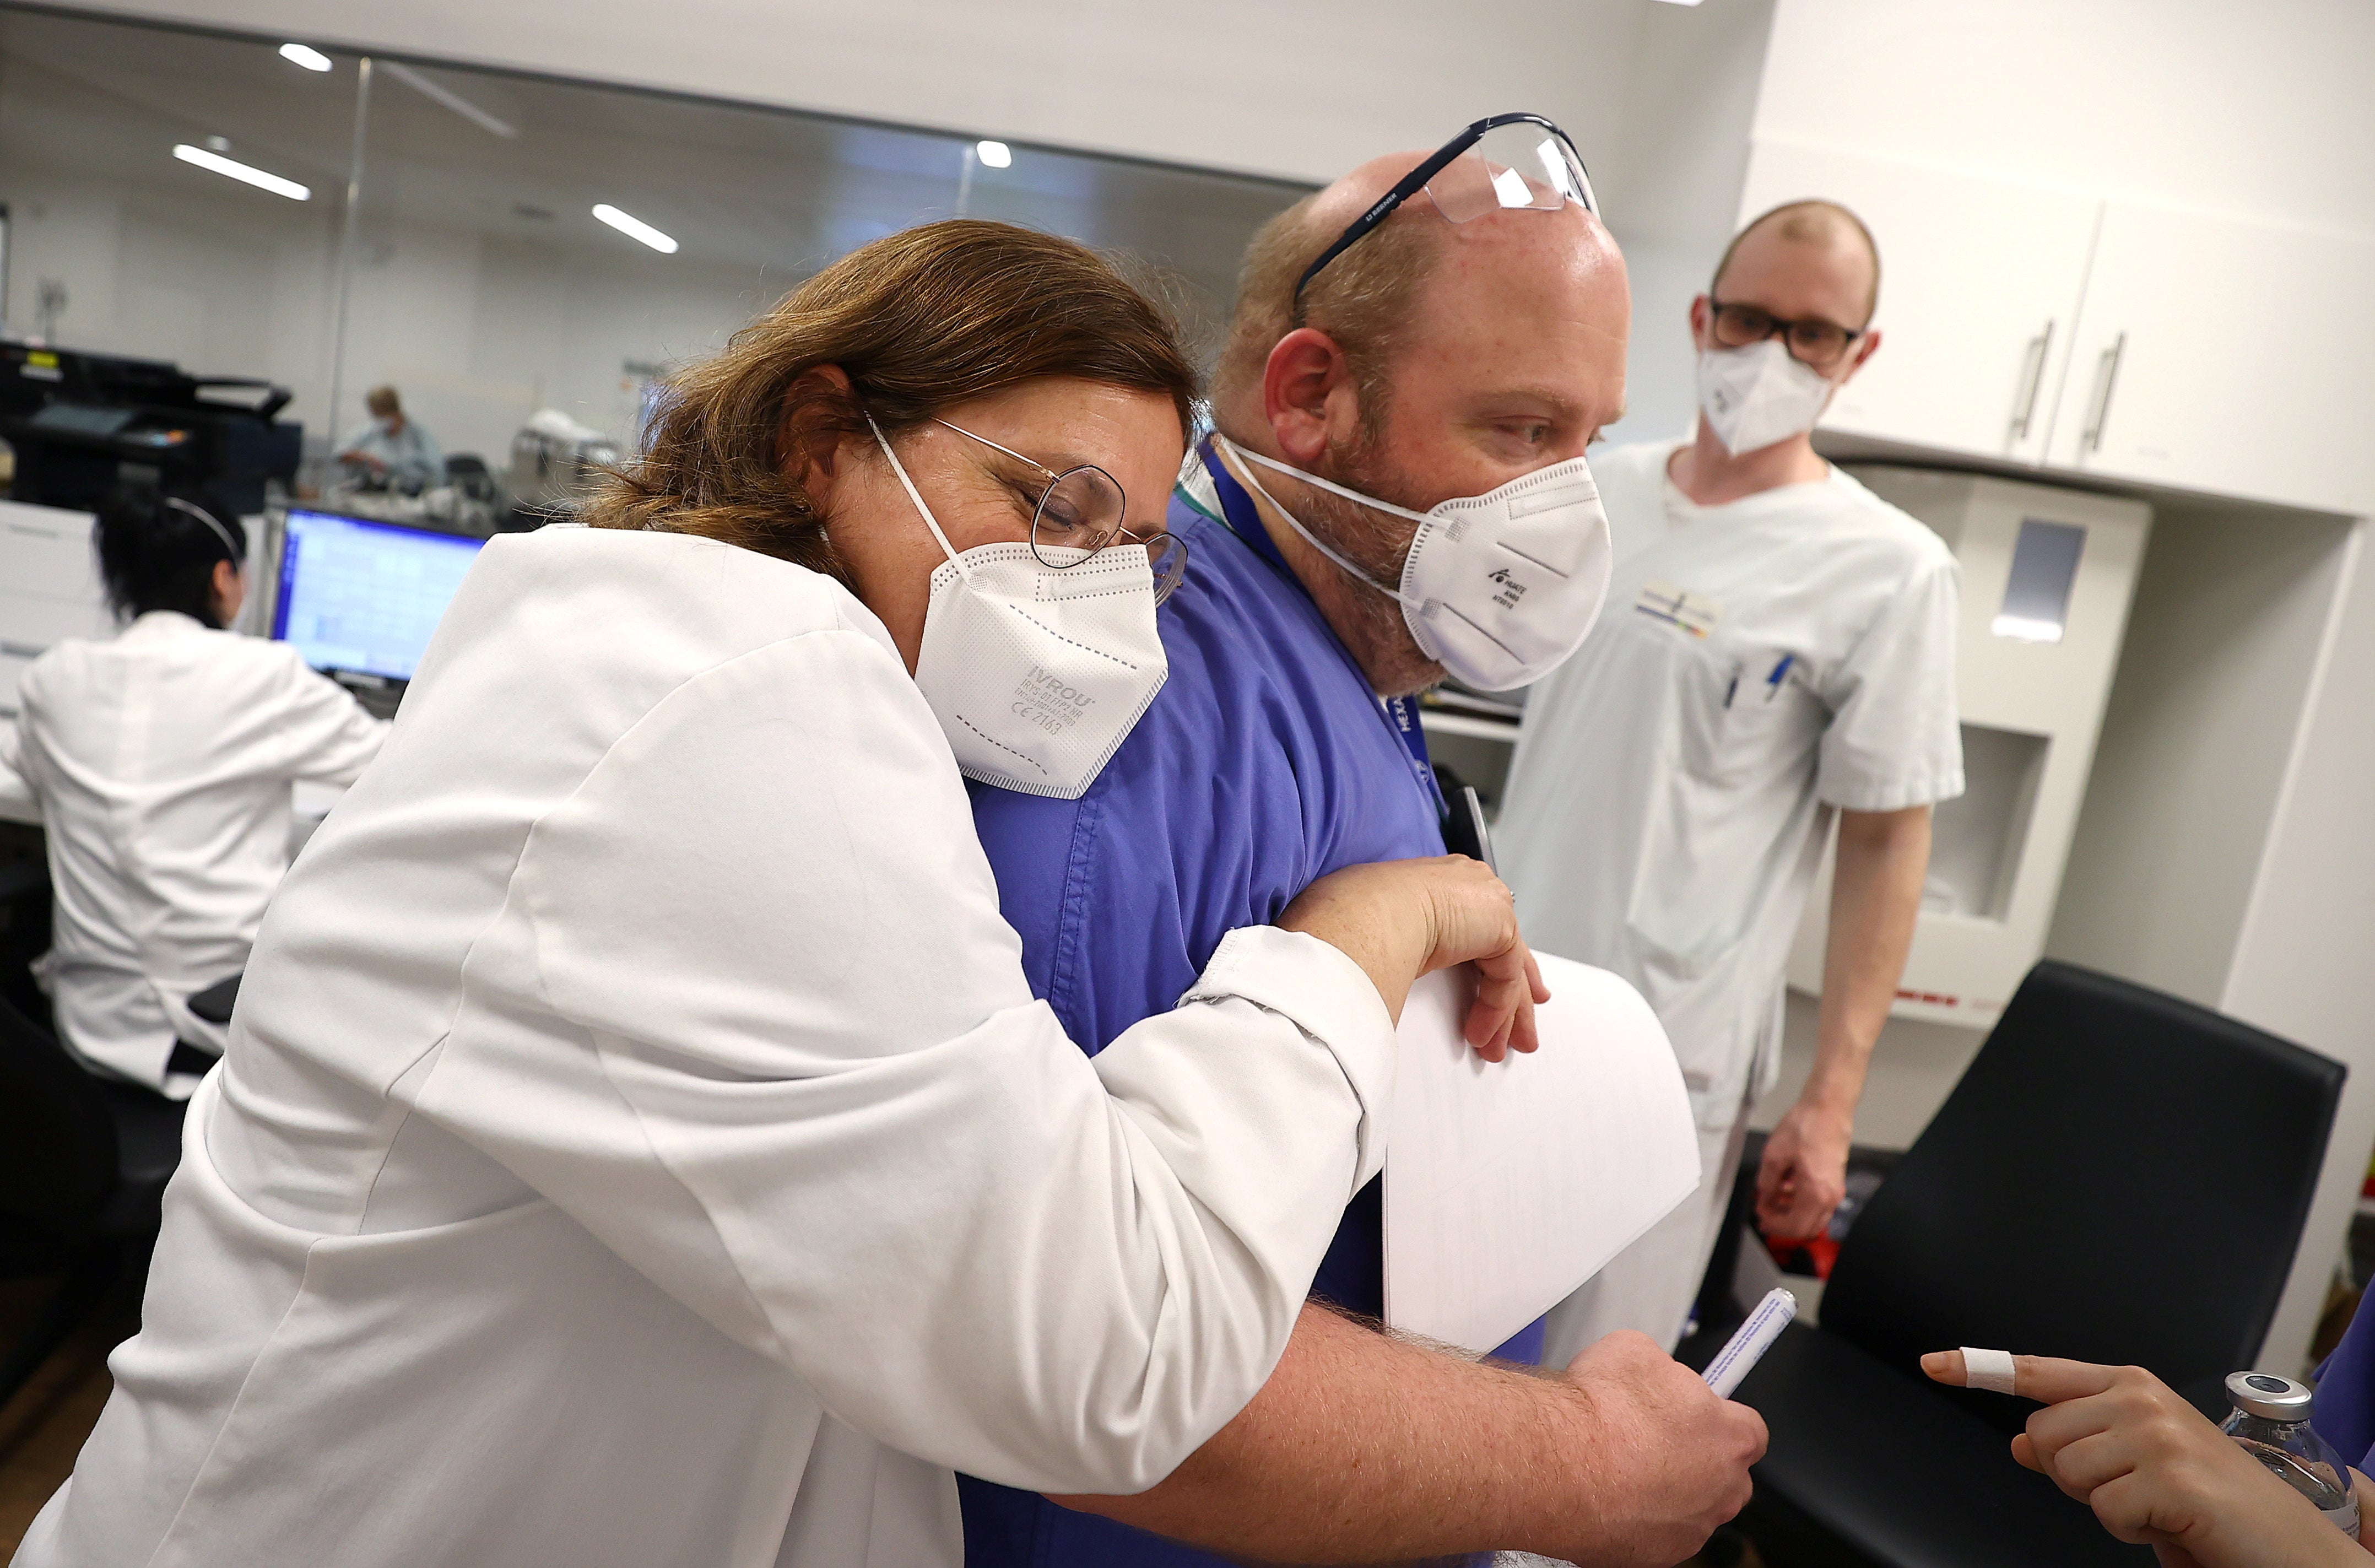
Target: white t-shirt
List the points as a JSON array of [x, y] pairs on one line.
[[1759, 665]]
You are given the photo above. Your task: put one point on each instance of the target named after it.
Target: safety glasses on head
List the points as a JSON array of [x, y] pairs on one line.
[[1506, 160], [1080, 511]]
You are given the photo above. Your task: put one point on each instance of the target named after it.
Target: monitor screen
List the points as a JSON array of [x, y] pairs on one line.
[[364, 596]]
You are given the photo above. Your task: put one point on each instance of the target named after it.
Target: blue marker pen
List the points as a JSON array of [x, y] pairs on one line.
[[1773, 681]]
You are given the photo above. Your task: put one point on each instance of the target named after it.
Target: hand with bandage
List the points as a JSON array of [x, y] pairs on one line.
[[2153, 1469]]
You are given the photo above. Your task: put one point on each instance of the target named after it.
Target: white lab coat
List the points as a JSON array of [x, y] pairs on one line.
[[1670, 798], [639, 1144], [162, 763]]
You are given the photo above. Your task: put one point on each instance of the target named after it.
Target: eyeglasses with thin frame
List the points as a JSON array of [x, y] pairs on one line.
[[1814, 343], [1081, 508], [1464, 188]]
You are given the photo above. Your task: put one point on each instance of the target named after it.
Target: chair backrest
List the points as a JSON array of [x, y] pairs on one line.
[[58, 1159], [2121, 1176]]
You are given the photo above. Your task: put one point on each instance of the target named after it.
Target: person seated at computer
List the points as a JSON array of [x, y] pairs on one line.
[[160, 762], [392, 448], [2156, 1472]]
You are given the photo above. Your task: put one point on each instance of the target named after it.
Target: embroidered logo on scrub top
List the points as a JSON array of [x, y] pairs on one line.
[[1675, 607]]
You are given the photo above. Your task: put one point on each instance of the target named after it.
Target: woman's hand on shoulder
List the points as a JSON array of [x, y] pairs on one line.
[[2156, 1471], [1402, 919]]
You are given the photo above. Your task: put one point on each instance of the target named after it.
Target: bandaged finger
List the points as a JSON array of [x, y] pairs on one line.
[[1991, 1370]]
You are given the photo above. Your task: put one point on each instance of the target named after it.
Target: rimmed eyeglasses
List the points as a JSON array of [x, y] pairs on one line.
[[1080, 511], [1814, 343]]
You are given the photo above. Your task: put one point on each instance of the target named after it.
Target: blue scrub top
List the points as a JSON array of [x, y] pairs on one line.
[[2345, 1391], [1264, 763]]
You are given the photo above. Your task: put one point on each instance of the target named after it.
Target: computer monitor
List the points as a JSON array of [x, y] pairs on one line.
[[361, 598]]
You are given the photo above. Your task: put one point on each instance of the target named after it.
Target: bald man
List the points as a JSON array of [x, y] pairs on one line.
[[1427, 360], [1778, 651]]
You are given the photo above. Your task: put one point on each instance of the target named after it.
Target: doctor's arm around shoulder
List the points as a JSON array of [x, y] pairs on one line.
[[662, 1092]]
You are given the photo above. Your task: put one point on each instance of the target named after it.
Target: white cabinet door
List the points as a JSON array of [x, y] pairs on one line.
[[2221, 355], [1979, 284]]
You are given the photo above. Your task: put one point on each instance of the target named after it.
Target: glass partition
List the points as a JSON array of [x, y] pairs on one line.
[[524, 258]]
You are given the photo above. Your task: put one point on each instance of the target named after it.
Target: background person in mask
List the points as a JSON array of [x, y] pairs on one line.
[[391, 447], [1429, 362], [1779, 649], [637, 1142]]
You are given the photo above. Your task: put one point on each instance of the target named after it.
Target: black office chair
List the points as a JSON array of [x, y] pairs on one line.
[[467, 472], [24, 931], [2121, 1177], [83, 1165]]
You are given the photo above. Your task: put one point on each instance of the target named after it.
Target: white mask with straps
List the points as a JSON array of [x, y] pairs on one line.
[[1754, 396], [1036, 674], [1498, 588]]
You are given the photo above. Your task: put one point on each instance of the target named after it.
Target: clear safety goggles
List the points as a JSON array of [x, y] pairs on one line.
[[1507, 160]]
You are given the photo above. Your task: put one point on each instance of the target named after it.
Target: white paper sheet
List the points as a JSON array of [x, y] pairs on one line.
[[1509, 1183]]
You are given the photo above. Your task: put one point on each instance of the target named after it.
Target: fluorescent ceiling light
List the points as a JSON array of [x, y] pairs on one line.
[[993, 155], [634, 228], [307, 55], [1682, 2], [2025, 629], [238, 170], [438, 92]]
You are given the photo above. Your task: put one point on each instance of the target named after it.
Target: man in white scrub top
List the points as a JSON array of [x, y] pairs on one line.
[[1777, 652]]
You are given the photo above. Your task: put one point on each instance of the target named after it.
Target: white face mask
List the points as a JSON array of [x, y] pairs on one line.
[[1757, 395], [1498, 588], [1036, 674]]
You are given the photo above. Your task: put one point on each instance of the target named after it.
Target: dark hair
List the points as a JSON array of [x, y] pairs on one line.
[[918, 321], [156, 553]]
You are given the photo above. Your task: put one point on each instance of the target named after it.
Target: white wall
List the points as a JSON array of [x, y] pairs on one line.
[[2259, 111], [479, 332], [2304, 948], [1301, 90], [1672, 189], [2231, 612], [152, 273]]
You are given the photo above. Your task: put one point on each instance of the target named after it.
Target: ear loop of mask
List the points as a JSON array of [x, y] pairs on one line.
[[220, 532], [909, 486], [1308, 536]]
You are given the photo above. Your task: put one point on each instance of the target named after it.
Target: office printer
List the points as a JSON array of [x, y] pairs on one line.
[[80, 423]]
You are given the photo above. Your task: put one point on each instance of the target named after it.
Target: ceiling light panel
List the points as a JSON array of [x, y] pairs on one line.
[[635, 228], [233, 168]]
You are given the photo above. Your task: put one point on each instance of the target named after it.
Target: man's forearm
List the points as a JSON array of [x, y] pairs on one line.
[[1365, 1448], [1875, 896]]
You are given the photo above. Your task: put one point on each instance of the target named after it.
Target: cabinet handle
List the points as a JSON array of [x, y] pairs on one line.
[[2032, 377], [2106, 375]]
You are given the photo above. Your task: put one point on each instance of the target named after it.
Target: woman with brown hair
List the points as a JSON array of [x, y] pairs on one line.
[[637, 1143]]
